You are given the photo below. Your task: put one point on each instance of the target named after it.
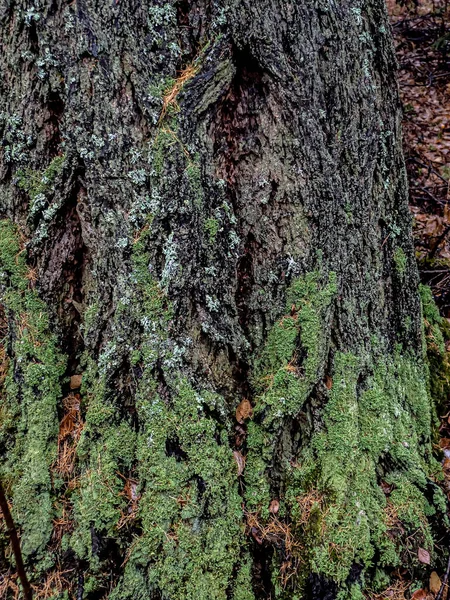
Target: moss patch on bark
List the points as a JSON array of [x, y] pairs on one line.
[[29, 421]]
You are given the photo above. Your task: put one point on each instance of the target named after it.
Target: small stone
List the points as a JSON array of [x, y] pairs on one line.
[[244, 411]]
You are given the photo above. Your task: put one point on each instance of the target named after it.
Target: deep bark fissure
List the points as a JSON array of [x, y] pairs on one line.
[[65, 268], [55, 108]]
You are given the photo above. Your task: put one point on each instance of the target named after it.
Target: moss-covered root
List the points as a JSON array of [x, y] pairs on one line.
[[358, 487]]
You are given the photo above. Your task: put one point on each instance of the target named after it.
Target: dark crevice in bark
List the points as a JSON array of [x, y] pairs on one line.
[[193, 18], [126, 384], [173, 448], [237, 141], [245, 282], [240, 370], [33, 37], [109, 553], [55, 107], [320, 588], [235, 134], [63, 273], [237, 121], [263, 587], [286, 449]]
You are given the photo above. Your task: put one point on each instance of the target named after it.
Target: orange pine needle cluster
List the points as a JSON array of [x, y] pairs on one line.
[[170, 95], [70, 430]]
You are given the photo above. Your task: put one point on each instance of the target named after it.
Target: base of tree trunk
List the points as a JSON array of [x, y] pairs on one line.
[[215, 373]]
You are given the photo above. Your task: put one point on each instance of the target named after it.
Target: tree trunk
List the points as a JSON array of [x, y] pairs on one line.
[[205, 216]]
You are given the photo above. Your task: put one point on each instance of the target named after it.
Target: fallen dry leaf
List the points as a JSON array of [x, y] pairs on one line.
[[435, 583], [244, 411], [240, 435], [386, 487], [240, 461], [274, 507], [423, 556], [419, 595], [256, 536], [75, 382], [328, 382]]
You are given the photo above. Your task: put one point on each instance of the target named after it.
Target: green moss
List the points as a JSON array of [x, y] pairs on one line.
[[32, 394], [190, 509], [376, 422], [106, 453], [90, 315], [193, 174], [400, 260], [159, 88], [433, 320], [436, 333], [188, 556], [165, 138], [284, 384], [378, 411], [211, 227], [386, 421], [186, 467]]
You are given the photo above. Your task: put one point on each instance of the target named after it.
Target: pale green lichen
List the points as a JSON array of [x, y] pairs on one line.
[[38, 184], [193, 174]]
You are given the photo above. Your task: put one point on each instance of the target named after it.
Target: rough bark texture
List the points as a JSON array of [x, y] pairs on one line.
[[205, 215]]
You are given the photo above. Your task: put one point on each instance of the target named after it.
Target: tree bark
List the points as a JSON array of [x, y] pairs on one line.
[[205, 216]]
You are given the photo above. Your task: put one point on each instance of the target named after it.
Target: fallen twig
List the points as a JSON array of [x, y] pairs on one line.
[[444, 581], [12, 531]]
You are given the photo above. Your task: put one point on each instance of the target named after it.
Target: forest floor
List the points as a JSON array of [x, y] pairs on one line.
[[422, 38]]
